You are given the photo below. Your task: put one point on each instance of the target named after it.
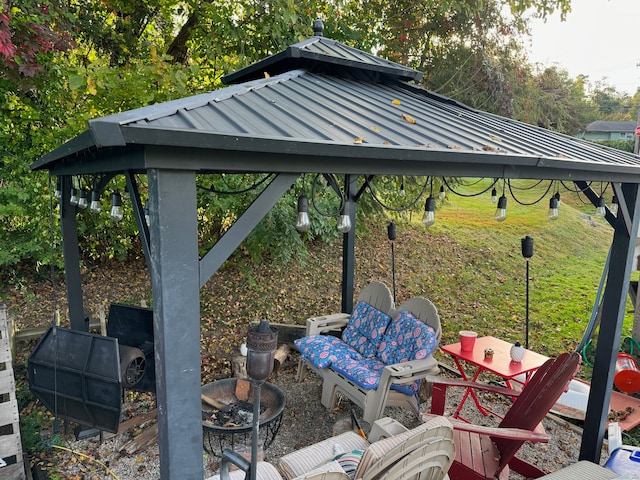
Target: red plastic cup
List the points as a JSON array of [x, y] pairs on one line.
[[467, 340]]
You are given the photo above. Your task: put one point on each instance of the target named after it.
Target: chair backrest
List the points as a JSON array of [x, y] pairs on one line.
[[429, 462], [535, 400], [426, 311], [378, 295], [384, 454]]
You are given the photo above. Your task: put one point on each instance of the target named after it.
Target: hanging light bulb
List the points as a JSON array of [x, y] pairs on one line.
[[57, 192], [429, 217], [553, 208], [600, 210], [302, 221], [557, 197], [443, 192], [344, 223], [494, 196], [73, 199], [83, 201], [402, 190], [501, 212], [116, 207], [96, 206], [147, 217]]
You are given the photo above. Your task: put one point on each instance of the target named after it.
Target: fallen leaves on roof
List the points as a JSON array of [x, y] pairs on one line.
[[409, 118], [491, 148]]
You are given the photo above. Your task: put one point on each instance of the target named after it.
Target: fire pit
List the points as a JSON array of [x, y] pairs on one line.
[[229, 426]]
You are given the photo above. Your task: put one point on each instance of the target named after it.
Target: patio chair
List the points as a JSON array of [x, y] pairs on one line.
[[376, 294], [425, 452], [380, 359], [490, 452]]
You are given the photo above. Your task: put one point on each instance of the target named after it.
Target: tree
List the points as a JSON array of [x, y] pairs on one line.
[[66, 63]]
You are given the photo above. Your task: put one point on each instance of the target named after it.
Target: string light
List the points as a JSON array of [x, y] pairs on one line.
[[429, 217], [116, 207], [553, 208], [500, 214], [600, 209], [302, 221]]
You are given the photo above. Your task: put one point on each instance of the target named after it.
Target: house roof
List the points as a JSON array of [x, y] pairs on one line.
[[340, 110], [611, 126]]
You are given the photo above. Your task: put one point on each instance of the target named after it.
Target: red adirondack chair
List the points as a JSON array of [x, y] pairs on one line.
[[490, 452]]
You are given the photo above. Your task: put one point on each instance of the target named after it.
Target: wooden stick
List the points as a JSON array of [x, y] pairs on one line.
[[142, 441], [239, 366], [103, 321], [280, 356], [215, 403]]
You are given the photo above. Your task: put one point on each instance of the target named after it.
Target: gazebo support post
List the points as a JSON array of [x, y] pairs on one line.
[[348, 244], [176, 321], [613, 309], [71, 252]]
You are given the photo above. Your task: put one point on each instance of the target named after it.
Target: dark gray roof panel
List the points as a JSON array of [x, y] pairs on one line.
[[322, 55], [308, 115], [319, 108]]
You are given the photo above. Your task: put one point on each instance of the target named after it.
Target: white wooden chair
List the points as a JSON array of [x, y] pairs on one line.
[[425, 452]]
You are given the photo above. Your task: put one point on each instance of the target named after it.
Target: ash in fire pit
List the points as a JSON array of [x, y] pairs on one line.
[[228, 424], [239, 414]]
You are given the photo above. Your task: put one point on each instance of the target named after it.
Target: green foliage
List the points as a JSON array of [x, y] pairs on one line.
[[624, 145], [68, 65]]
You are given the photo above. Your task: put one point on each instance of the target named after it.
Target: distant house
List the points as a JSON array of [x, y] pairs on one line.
[[609, 130]]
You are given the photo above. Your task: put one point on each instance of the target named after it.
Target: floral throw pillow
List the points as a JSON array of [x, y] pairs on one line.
[[407, 338], [365, 329]]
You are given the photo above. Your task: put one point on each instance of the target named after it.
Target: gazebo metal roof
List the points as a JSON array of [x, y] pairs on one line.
[[322, 107], [340, 110]]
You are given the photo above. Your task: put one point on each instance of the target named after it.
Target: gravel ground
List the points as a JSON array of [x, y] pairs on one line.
[[305, 421]]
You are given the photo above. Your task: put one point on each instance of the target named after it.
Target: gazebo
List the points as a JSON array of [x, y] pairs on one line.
[[317, 107]]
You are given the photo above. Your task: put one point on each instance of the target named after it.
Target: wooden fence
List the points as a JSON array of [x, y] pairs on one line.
[[11, 460]]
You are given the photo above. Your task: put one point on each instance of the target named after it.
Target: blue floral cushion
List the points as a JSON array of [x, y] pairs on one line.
[[365, 329], [322, 350], [366, 374], [407, 338]]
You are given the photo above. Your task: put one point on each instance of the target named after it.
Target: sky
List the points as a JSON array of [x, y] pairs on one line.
[[600, 38]]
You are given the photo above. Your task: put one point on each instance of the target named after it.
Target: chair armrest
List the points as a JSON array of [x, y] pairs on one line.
[[317, 473], [231, 457], [440, 385], [326, 323], [407, 372], [508, 433], [535, 436]]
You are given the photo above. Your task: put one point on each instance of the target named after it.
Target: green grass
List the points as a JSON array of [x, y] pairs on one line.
[[480, 282]]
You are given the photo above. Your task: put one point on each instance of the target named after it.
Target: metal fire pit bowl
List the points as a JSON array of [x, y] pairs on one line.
[[219, 438]]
